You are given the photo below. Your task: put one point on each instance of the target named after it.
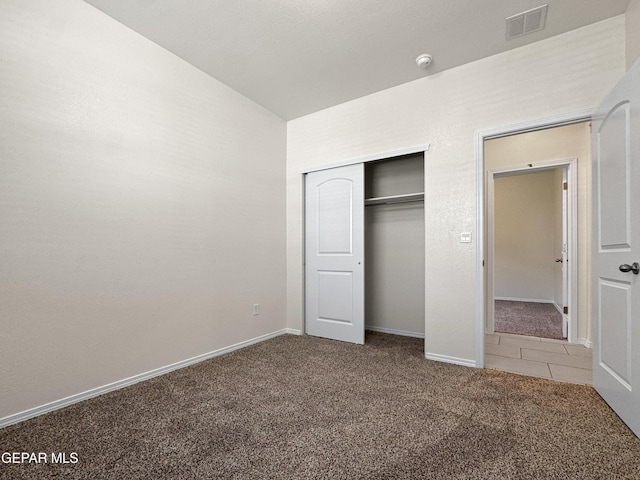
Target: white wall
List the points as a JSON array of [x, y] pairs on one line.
[[563, 74], [525, 236], [142, 206], [394, 267], [632, 18], [561, 143]]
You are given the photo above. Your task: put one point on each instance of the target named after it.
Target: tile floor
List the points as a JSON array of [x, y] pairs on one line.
[[538, 357]]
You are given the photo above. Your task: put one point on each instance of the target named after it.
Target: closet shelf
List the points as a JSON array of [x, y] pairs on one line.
[[404, 198]]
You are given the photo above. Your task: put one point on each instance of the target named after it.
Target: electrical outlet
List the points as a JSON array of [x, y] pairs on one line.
[[256, 309]]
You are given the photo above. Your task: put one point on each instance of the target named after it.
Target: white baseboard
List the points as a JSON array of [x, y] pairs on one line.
[[392, 331], [585, 342], [447, 359], [94, 392], [292, 331], [532, 300]]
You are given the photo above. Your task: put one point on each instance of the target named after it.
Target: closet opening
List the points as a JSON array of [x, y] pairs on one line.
[[365, 248], [395, 246]]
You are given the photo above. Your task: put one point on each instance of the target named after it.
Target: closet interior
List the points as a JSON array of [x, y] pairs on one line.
[[395, 245]]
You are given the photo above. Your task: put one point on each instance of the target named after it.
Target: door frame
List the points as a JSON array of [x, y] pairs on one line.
[[480, 137], [570, 219]]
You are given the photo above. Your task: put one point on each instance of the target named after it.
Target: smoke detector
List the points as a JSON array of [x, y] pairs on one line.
[[424, 60]]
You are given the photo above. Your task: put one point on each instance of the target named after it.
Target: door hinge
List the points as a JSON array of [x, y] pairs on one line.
[[565, 186], [565, 310]]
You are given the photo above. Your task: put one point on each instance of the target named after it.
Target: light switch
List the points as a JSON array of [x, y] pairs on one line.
[[465, 237]]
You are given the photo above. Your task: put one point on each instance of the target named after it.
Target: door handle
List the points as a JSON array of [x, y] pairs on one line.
[[558, 260], [634, 267]]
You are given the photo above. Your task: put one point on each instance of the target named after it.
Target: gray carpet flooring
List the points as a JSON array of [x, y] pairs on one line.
[[528, 318], [298, 407]]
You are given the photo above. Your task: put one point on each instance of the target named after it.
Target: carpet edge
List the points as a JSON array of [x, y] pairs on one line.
[[126, 382]]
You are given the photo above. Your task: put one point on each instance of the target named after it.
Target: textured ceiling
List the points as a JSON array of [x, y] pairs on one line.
[[296, 57]]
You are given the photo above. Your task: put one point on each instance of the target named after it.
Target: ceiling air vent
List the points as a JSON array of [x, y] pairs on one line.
[[526, 22]]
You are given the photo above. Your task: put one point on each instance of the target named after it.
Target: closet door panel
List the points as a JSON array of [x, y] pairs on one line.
[[335, 220], [334, 233]]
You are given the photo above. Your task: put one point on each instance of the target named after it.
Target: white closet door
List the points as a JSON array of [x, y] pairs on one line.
[[616, 289], [335, 253]]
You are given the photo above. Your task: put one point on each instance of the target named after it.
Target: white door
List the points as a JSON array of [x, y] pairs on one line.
[[616, 287], [335, 253]]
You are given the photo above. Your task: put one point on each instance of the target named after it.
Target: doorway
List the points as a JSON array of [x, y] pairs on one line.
[[556, 143], [565, 147], [529, 224]]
